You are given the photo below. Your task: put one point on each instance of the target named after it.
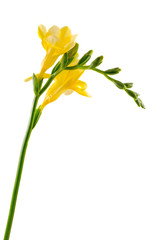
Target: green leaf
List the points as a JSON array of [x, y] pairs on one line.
[[128, 85], [132, 94], [36, 84], [112, 71], [37, 116], [96, 62], [85, 58], [72, 53]]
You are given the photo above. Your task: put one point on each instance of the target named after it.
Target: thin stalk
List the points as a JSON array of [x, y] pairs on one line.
[[19, 172], [50, 79], [85, 68], [88, 68]]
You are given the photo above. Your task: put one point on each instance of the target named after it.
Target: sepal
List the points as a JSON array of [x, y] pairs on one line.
[[36, 84], [37, 116]]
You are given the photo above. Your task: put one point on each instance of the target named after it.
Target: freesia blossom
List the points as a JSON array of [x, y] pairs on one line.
[[66, 82], [56, 41]]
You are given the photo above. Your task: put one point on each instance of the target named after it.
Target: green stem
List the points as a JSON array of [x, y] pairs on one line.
[[93, 69], [19, 171], [85, 68], [50, 79]]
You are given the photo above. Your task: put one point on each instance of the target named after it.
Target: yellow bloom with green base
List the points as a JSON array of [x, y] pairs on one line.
[[56, 41], [66, 82]]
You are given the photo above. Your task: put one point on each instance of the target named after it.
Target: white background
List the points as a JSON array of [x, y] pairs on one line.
[[92, 169]]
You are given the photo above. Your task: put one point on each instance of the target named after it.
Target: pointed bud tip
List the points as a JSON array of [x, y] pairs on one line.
[[96, 62]]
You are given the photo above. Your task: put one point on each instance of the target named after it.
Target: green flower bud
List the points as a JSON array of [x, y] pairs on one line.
[[64, 61], [128, 85], [118, 84], [112, 71], [72, 53], [85, 58], [139, 103], [132, 94], [56, 67], [96, 62]]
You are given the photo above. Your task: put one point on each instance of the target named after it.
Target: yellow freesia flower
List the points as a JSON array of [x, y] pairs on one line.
[[66, 82], [56, 41]]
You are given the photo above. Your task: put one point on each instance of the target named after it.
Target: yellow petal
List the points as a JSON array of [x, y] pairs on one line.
[[28, 79], [80, 91], [68, 92], [54, 31], [79, 87], [46, 75], [68, 46], [48, 61], [74, 75], [53, 93], [82, 85], [65, 35], [45, 44], [51, 40], [73, 39], [42, 31]]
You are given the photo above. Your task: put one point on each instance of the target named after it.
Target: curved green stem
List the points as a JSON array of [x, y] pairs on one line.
[[19, 171]]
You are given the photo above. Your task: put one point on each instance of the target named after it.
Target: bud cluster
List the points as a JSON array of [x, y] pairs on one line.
[[64, 64]]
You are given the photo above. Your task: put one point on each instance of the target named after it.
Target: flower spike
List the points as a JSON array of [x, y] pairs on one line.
[[64, 79]]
